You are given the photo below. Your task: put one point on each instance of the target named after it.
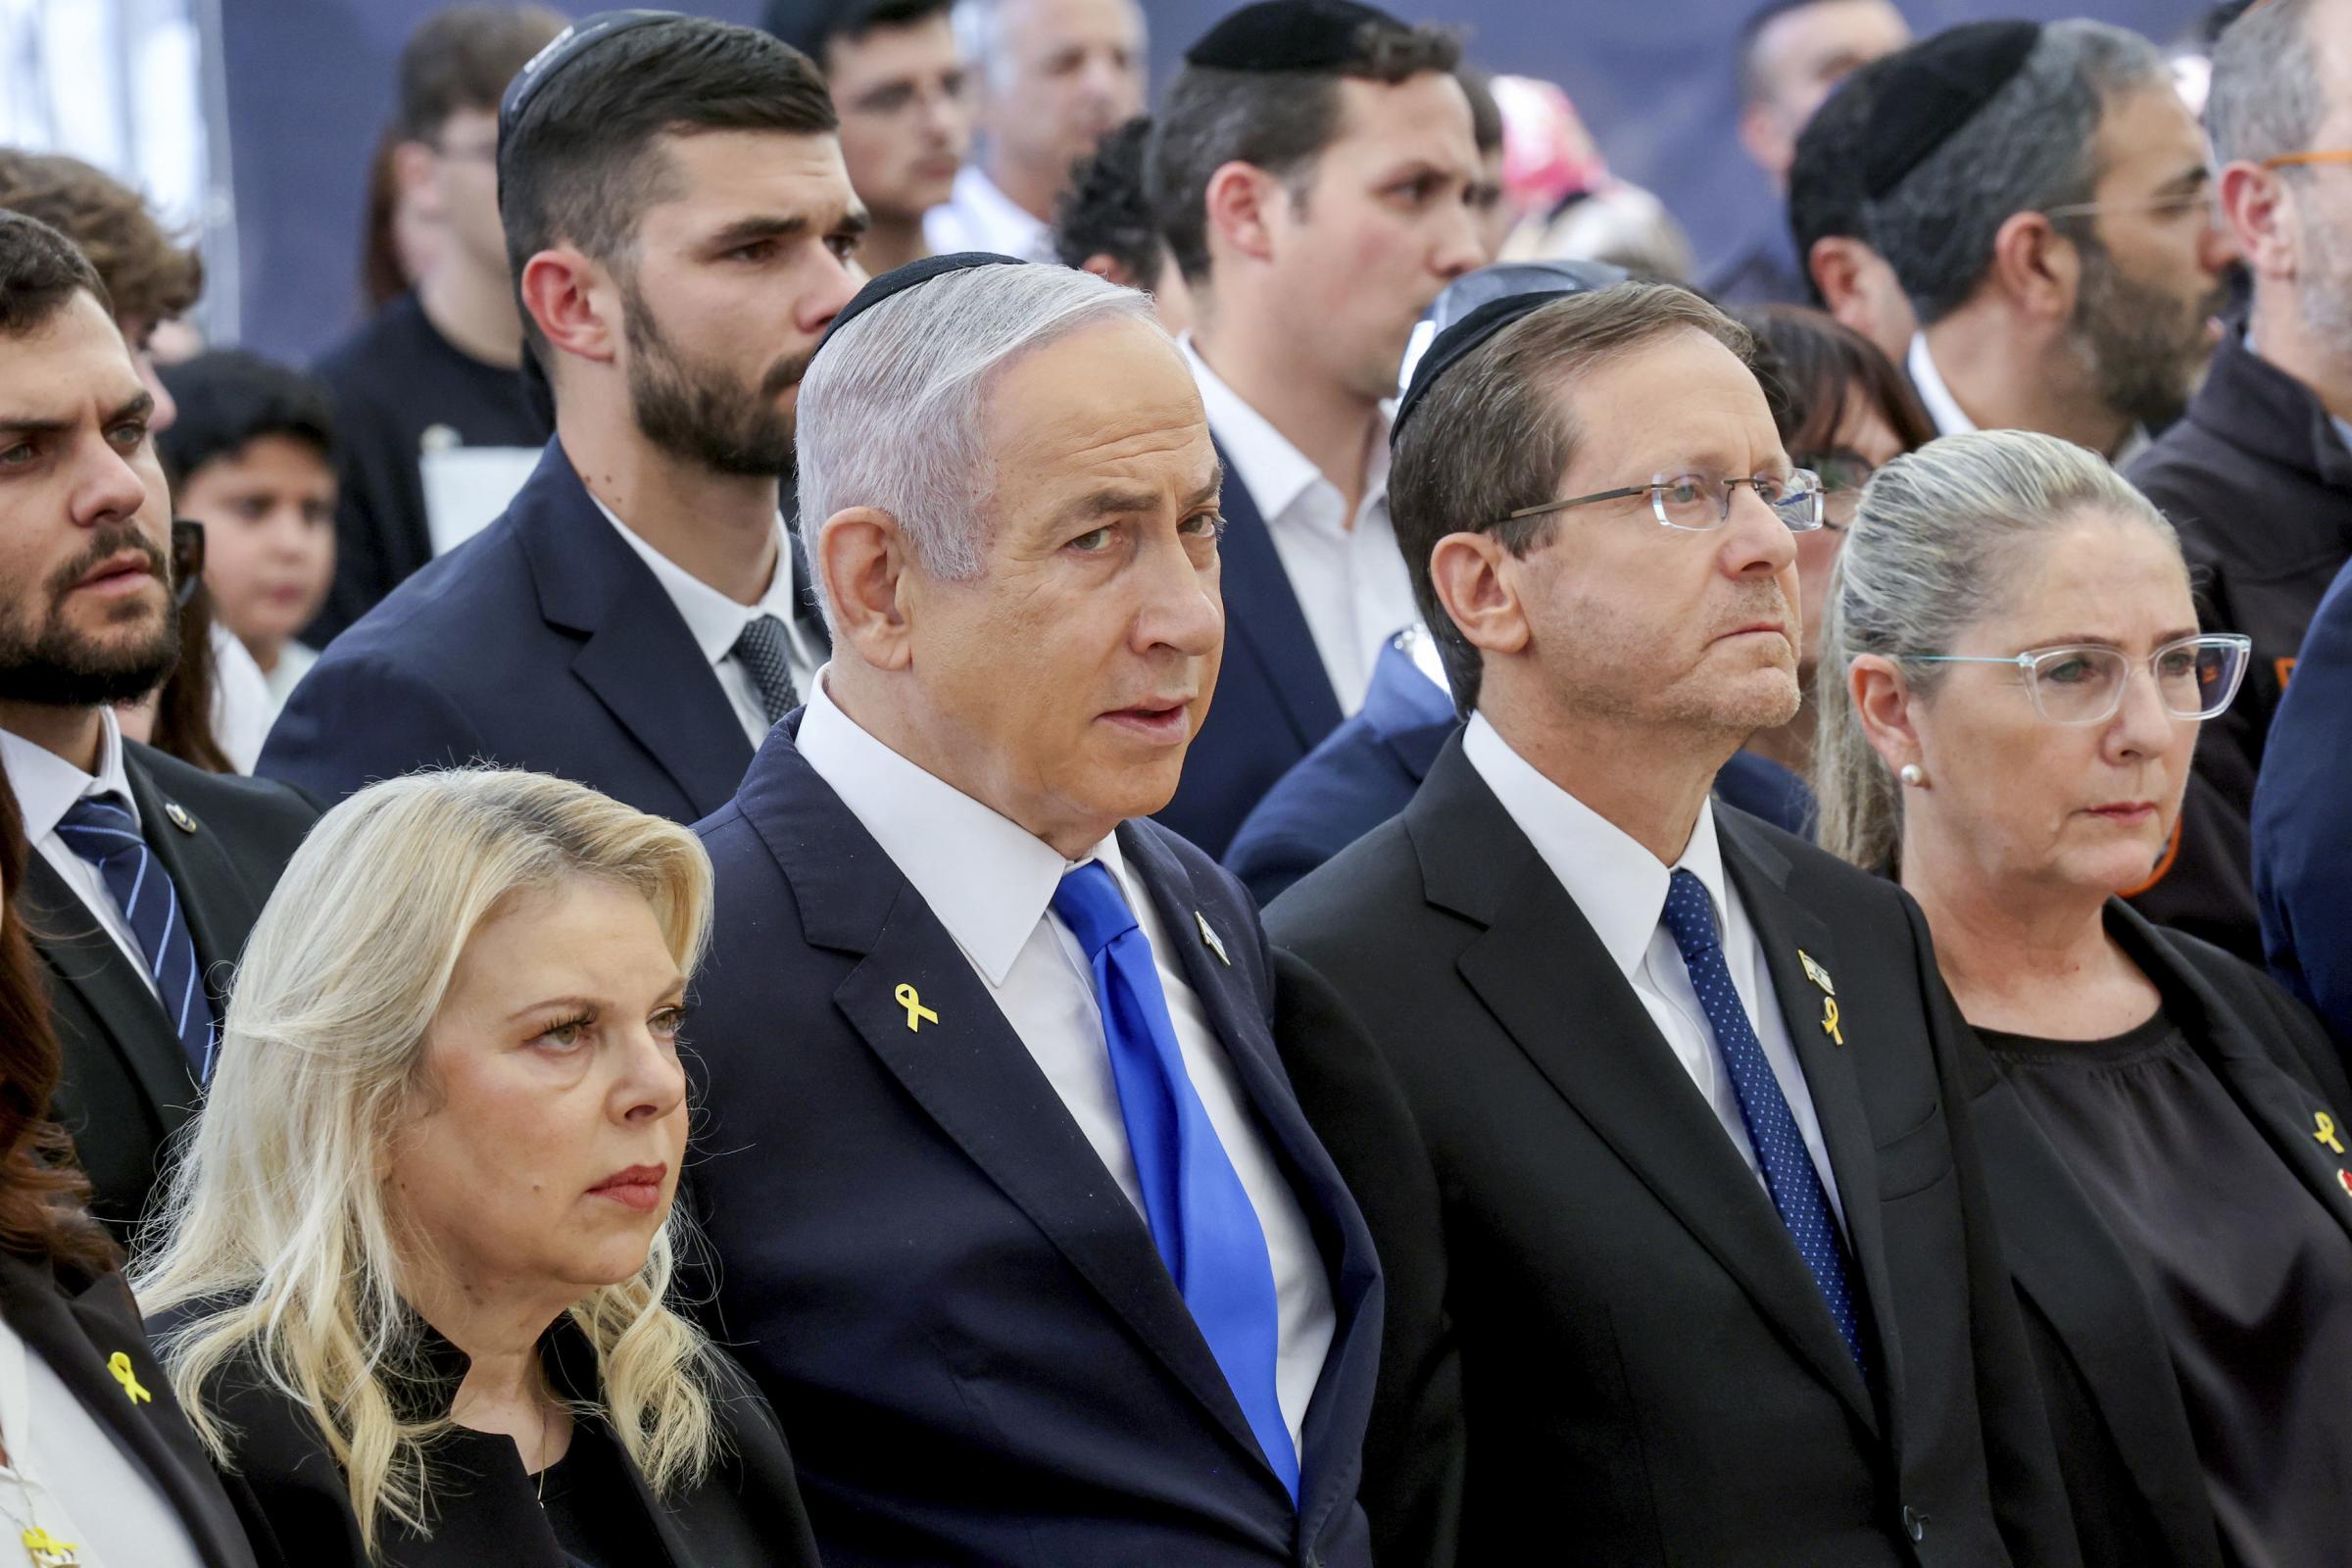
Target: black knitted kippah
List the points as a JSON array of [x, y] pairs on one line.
[[915, 274], [1929, 92], [1289, 35]]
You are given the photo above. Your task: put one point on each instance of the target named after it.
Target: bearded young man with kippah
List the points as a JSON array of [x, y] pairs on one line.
[[1315, 171]]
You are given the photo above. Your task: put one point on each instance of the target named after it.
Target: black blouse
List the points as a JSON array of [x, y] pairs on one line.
[[2249, 1277], [594, 1511]]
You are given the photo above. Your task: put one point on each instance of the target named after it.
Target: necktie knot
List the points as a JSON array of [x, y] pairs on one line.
[[93, 820], [1690, 915], [1092, 905], [765, 647]]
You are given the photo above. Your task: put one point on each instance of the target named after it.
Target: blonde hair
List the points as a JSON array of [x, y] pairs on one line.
[[276, 1221], [1941, 536]]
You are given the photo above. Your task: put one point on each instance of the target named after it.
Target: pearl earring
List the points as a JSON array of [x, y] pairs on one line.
[[1913, 775]]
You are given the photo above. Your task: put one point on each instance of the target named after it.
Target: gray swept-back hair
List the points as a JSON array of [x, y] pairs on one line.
[[1941, 536], [2265, 97], [2033, 146], [890, 414], [980, 36]]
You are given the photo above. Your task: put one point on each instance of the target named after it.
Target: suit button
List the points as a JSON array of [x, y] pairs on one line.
[[1915, 1523]]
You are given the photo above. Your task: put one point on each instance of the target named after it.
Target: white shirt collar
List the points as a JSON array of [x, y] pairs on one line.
[[713, 618], [1942, 408], [1618, 886], [1275, 473], [989, 879], [46, 785], [994, 220]]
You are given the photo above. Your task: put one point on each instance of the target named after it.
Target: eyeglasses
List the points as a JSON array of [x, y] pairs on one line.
[[1699, 502], [1842, 476], [2083, 684], [2173, 206], [2325, 155], [187, 559]]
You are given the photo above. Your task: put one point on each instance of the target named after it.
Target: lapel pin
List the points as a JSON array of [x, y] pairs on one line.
[[1815, 972], [48, 1550], [1829, 1020], [917, 1013], [2343, 1179], [2326, 1131], [119, 1365], [180, 817], [1210, 937]]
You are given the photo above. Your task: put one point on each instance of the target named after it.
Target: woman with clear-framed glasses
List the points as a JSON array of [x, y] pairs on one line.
[[2011, 680]]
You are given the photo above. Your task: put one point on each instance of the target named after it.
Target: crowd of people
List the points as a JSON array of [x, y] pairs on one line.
[[929, 817]]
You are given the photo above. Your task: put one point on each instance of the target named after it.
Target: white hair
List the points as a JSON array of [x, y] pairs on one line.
[[980, 37], [891, 412]]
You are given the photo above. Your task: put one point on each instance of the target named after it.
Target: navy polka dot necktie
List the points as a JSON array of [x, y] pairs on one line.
[[763, 646], [101, 830], [1790, 1174]]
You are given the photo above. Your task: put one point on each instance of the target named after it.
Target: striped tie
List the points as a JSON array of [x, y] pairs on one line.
[[102, 831]]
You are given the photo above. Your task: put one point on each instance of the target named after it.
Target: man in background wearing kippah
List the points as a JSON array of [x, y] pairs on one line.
[[1314, 168], [900, 87], [1828, 218], [1791, 56], [2041, 193]]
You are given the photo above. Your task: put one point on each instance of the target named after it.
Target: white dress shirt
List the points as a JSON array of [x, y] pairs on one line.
[[242, 708], [715, 621], [1620, 888], [46, 787], [66, 1473], [1348, 574], [294, 661], [991, 883], [1951, 418], [977, 215]]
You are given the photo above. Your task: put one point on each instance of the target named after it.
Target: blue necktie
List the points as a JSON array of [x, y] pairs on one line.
[[1790, 1174], [102, 831], [1200, 1217]]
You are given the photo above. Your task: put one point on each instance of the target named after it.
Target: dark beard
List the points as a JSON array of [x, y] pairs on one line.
[[54, 666], [702, 412], [2145, 347]]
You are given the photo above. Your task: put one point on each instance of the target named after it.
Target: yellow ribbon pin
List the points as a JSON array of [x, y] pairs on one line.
[[917, 1013], [119, 1365], [48, 1550], [1829, 1020], [2326, 1131]]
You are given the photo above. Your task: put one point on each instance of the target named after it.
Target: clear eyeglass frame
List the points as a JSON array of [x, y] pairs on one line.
[[2211, 664], [1701, 502]]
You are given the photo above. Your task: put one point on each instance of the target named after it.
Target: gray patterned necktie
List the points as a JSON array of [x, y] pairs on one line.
[[763, 649]]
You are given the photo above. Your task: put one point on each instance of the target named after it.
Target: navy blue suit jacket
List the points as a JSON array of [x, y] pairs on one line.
[[1358, 776], [1367, 772], [2302, 829], [960, 1317], [1274, 700], [543, 642]]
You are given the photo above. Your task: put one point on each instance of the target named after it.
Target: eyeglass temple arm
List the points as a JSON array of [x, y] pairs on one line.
[[2329, 155], [1577, 501]]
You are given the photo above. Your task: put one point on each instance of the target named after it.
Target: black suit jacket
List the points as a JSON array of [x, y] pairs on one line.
[[1648, 1374], [2124, 1439], [543, 642], [78, 1322], [127, 1086], [957, 1312], [747, 1510], [1273, 701]]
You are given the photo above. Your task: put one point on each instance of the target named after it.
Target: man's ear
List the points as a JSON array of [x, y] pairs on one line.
[[1242, 199], [1472, 575], [2036, 268], [863, 561], [2260, 215], [413, 165], [1765, 139], [572, 303]]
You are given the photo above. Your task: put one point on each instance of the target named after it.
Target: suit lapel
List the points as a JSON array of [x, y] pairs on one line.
[[1340, 1237], [213, 897], [967, 1068], [87, 962], [1544, 975], [638, 657], [1263, 618], [77, 1335]]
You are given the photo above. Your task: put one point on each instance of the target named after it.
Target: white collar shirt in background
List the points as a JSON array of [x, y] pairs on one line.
[[1348, 576], [66, 1473], [979, 217], [242, 707], [991, 883], [46, 787], [1620, 889], [716, 622], [1951, 418]]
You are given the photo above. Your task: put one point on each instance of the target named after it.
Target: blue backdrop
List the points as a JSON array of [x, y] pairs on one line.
[[309, 85]]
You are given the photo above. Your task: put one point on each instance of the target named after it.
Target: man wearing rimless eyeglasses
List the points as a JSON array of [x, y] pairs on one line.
[[2257, 475]]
